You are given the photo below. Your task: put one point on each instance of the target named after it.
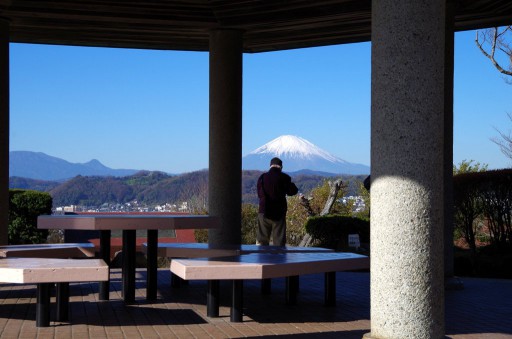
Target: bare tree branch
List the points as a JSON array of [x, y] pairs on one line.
[[494, 40], [504, 141], [333, 194]]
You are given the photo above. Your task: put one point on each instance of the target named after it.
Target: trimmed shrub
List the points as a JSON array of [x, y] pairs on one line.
[[24, 208], [331, 231]]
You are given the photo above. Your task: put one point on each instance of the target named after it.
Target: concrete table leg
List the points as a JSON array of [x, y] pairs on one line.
[[330, 288], [212, 299], [152, 270], [292, 286], [237, 301], [129, 237], [105, 236], [62, 301], [43, 305]]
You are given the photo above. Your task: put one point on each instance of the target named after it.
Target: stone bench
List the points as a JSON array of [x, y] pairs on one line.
[[61, 250], [266, 266], [204, 250], [48, 271]]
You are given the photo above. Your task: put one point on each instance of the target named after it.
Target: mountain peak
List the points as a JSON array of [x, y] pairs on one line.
[[292, 146], [299, 154], [38, 165]]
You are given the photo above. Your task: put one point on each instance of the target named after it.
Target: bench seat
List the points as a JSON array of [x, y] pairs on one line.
[[204, 250], [265, 266], [48, 271], [61, 250]]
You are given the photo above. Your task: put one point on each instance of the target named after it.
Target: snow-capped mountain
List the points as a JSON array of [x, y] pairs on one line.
[[299, 154]]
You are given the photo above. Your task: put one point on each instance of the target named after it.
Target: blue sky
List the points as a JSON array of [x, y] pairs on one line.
[[143, 109]]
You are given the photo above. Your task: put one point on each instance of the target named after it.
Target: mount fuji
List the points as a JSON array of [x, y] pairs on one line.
[[299, 154]]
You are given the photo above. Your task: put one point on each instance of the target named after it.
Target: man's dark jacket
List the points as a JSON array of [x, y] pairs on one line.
[[273, 187]]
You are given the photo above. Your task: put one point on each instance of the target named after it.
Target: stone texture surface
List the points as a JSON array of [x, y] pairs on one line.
[[407, 169]]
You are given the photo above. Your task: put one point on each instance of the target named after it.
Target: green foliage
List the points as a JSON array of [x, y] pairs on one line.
[[249, 223], [365, 194], [249, 226], [24, 208], [296, 218], [201, 235], [465, 166], [331, 231]]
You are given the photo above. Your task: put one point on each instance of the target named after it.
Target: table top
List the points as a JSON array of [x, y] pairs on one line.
[[122, 221]]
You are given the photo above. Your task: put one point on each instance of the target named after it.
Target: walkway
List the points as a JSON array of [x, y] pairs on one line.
[[483, 309]]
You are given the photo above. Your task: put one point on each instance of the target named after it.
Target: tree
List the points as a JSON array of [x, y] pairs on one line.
[[24, 208], [467, 202], [465, 166], [504, 141], [495, 43], [323, 202]]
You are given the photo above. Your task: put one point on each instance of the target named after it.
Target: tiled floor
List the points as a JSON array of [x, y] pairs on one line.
[[483, 309]]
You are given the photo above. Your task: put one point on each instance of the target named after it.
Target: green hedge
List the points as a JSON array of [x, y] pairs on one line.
[[332, 231], [24, 208]]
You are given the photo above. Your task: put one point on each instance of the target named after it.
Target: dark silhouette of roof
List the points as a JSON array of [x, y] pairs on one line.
[[185, 24]]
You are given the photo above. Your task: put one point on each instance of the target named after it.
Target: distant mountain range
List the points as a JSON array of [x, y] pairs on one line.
[[37, 165], [299, 157], [298, 154]]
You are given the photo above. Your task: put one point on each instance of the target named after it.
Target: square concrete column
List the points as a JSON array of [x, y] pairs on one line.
[[407, 146], [4, 130], [225, 158]]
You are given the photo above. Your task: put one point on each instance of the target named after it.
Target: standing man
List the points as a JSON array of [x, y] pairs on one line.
[[273, 187]]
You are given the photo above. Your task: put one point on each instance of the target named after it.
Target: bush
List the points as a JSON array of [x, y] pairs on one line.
[[488, 262], [332, 231], [249, 223], [24, 208], [249, 226], [486, 196]]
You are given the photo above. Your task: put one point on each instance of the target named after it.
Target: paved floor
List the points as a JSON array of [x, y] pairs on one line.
[[483, 309]]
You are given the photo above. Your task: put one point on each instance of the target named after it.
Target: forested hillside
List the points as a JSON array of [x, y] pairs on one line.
[[152, 188]]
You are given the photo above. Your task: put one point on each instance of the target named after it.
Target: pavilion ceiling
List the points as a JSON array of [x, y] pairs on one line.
[[184, 24]]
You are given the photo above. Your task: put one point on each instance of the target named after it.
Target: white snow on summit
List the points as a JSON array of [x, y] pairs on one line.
[[294, 147], [299, 154]]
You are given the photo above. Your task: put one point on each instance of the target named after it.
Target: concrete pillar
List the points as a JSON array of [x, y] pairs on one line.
[[450, 281], [4, 130], [407, 131], [225, 164]]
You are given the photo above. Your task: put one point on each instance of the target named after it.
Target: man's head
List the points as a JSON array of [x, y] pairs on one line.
[[276, 162]]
